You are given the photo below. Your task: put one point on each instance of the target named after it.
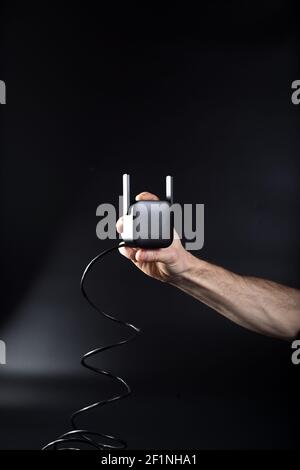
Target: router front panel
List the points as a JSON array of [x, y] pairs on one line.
[[148, 224]]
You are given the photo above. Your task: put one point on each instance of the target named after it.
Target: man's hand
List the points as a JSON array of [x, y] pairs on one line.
[[165, 264]]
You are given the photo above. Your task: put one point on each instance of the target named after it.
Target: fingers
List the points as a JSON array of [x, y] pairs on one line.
[[145, 196], [139, 255], [128, 252], [163, 255], [119, 225]]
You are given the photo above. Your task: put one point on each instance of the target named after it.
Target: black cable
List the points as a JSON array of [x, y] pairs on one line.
[[86, 437]]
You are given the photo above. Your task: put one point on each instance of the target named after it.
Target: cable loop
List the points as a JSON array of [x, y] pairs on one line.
[[84, 437]]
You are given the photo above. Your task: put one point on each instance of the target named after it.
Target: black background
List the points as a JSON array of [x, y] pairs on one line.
[[204, 95]]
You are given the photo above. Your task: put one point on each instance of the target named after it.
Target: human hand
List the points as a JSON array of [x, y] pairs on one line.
[[164, 264]]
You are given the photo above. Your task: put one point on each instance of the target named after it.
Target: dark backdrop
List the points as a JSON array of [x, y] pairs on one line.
[[204, 95]]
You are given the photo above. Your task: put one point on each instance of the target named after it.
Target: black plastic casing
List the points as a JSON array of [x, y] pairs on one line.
[[153, 224]]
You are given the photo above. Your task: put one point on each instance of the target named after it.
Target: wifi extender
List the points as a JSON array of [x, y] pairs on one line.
[[148, 224]]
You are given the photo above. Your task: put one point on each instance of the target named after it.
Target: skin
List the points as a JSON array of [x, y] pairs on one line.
[[257, 304]]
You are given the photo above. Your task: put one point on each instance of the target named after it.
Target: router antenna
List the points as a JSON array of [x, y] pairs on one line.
[[169, 189], [126, 193]]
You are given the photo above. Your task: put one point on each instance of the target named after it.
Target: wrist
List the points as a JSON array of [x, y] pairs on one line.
[[190, 268]]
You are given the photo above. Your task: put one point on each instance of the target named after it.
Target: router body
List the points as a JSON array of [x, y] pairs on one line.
[[148, 224]]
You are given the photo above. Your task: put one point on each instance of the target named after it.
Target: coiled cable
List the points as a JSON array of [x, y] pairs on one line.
[[84, 437]]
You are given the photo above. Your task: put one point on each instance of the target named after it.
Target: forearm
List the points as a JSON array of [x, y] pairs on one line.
[[257, 304]]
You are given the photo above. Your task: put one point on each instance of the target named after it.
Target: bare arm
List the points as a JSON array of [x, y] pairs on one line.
[[257, 304]]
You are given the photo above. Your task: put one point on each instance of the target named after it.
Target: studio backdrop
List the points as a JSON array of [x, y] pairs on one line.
[[205, 96]]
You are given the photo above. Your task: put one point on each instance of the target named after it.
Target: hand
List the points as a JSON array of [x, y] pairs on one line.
[[164, 264]]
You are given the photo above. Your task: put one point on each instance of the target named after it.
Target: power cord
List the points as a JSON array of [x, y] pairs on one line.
[[84, 437]]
